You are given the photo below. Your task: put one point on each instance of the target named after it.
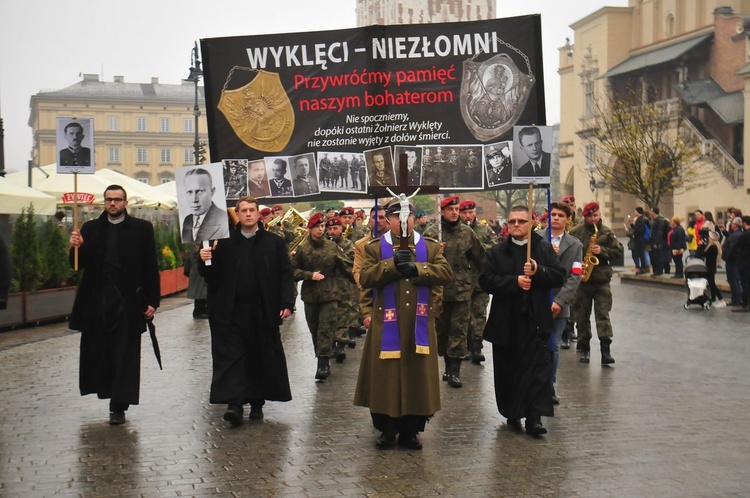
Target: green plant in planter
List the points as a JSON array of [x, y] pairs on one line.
[[55, 268], [24, 252]]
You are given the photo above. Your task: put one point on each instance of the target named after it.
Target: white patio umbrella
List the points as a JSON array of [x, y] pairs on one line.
[[14, 197]]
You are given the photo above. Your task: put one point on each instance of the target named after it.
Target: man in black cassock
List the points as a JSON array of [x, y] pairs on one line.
[[520, 322], [119, 291], [250, 292]]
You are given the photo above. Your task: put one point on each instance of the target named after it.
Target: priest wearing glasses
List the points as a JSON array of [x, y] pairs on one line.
[[398, 377]]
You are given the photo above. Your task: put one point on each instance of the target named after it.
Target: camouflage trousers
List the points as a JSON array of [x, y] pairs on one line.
[[479, 302], [453, 328], [600, 297], [347, 317], [321, 319]]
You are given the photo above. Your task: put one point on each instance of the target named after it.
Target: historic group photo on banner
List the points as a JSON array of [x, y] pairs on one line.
[[327, 114]]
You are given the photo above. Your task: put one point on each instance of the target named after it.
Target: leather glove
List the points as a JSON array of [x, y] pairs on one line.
[[407, 270], [402, 256]]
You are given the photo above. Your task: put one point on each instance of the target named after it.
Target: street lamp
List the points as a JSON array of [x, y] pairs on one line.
[[195, 76]]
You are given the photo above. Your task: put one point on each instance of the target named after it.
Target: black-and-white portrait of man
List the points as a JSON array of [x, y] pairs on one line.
[[75, 143]]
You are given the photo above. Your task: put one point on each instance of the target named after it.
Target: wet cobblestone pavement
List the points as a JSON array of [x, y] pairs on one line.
[[671, 418]]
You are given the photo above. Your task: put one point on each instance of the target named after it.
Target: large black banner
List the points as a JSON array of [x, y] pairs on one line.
[[328, 112]]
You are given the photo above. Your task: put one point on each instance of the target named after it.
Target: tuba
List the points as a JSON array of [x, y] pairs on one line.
[[589, 259], [294, 221]]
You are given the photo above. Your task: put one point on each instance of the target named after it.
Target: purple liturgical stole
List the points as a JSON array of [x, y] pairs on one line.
[[390, 347]]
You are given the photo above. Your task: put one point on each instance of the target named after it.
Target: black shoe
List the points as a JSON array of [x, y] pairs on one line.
[[676, 276], [409, 441], [514, 424], [385, 441], [555, 399], [256, 412], [324, 369], [477, 357], [454, 374], [607, 358], [585, 357], [447, 373], [565, 344], [351, 343], [200, 316], [535, 429], [117, 417], [233, 415], [572, 336]]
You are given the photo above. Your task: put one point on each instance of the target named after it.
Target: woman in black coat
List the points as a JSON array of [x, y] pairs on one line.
[[677, 243]]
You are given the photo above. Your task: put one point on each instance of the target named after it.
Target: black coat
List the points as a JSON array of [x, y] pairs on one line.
[[499, 279], [248, 356], [110, 362], [139, 276]]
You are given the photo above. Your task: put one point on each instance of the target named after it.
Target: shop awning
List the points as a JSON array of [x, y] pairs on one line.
[[657, 57]]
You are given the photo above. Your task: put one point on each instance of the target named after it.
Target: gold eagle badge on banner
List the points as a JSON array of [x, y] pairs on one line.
[[493, 95], [260, 113]]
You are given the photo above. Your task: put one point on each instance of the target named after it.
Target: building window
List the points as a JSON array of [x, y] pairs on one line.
[[188, 126], [588, 98], [165, 125], [165, 179], [114, 154], [590, 154], [189, 156], [141, 124], [142, 154], [166, 155], [143, 179], [114, 123]]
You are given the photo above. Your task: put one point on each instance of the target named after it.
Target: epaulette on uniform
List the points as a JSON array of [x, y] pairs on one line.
[[431, 239], [377, 239]]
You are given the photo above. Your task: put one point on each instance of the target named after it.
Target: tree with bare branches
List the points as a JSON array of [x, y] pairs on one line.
[[643, 150]]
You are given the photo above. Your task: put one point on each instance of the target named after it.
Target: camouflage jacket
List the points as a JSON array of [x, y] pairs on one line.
[[487, 238], [464, 252], [346, 279], [326, 257], [611, 249]]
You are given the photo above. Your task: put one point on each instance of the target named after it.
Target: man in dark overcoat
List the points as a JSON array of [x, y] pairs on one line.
[[250, 292], [520, 322], [119, 291], [398, 374]]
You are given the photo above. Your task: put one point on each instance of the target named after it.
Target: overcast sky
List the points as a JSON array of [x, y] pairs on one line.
[[46, 44]]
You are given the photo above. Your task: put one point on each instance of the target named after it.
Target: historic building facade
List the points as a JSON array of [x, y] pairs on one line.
[[143, 130], [689, 57], [422, 11]]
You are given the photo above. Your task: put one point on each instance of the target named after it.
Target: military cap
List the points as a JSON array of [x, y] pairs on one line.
[[315, 220], [360, 214], [277, 207], [346, 211], [421, 213], [493, 151], [334, 221], [568, 199], [449, 201], [589, 208], [265, 211], [467, 205]]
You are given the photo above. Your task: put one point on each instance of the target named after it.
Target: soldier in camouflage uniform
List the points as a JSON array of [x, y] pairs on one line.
[[348, 312], [462, 249], [318, 262], [351, 229], [420, 223], [479, 298], [596, 290]]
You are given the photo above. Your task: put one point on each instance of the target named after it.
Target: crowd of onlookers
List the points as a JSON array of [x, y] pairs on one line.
[[655, 243]]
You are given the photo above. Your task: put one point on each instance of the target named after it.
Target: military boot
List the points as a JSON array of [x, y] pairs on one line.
[[338, 352], [447, 374], [606, 356], [476, 353], [454, 379], [352, 333], [324, 369], [585, 353]]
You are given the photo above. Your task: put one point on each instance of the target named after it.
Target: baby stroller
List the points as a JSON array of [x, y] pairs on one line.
[[696, 282]]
